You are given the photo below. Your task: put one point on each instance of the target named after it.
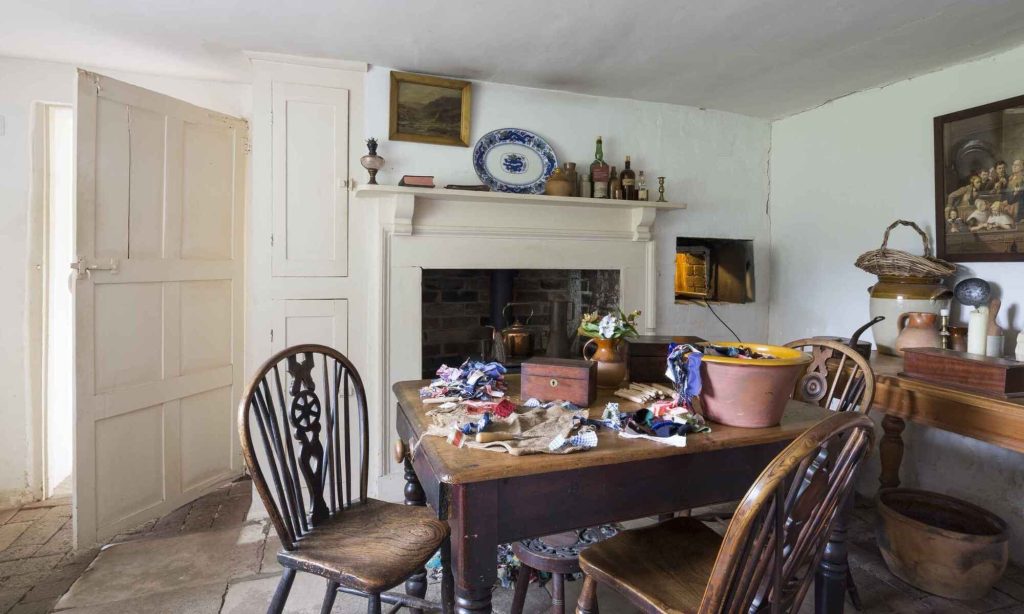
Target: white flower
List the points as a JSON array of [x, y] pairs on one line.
[[607, 326]]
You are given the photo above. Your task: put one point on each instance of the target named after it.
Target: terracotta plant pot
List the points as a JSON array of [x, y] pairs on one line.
[[750, 393], [940, 544], [611, 367]]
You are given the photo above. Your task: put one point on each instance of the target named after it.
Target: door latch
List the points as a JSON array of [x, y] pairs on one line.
[[85, 270]]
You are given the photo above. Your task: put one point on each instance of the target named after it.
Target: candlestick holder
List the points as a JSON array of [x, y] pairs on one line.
[[661, 190]]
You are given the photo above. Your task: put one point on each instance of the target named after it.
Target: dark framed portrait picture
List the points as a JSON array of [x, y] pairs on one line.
[[426, 109], [979, 183]]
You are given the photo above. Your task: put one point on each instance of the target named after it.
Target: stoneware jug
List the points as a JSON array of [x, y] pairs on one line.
[[611, 367], [918, 329]]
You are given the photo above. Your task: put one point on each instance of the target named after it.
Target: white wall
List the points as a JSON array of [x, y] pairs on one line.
[[839, 175], [25, 82], [716, 162]]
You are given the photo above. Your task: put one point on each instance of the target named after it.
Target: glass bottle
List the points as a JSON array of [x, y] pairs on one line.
[[599, 172], [614, 185], [641, 187], [628, 180]]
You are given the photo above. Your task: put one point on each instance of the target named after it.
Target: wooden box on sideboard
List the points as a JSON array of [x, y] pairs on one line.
[[647, 356]]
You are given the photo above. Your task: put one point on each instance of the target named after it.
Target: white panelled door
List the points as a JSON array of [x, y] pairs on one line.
[[158, 303], [300, 321], [310, 149]]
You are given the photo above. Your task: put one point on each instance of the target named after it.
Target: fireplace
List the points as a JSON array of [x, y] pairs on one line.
[[459, 306]]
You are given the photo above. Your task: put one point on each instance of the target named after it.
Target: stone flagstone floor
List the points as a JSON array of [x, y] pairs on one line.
[[217, 555]]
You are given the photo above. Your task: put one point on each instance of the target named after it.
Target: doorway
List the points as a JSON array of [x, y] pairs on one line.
[[56, 142]]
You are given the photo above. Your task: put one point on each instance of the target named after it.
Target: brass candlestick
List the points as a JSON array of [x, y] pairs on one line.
[[661, 190]]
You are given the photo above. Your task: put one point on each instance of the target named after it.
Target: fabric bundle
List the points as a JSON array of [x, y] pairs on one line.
[[481, 381]]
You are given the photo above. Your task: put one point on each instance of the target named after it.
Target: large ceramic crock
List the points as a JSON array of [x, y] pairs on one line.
[[750, 393], [894, 296]]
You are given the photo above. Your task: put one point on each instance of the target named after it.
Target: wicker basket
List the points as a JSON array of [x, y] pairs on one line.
[[896, 263]]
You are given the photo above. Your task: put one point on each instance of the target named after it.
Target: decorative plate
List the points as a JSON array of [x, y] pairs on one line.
[[514, 160]]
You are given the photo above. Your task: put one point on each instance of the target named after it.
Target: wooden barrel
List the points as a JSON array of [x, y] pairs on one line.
[[940, 544]]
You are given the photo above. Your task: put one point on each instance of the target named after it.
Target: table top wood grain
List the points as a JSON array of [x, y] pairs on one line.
[[463, 465]]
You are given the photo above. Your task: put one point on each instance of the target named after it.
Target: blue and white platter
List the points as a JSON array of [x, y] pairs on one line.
[[514, 160]]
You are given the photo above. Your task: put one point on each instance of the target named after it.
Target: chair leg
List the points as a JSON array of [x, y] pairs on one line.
[[588, 597], [522, 585], [558, 594], [447, 579], [329, 596], [373, 604], [851, 588], [281, 594]]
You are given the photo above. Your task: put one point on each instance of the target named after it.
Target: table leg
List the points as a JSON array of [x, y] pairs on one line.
[[890, 451], [473, 514], [416, 585], [830, 578]]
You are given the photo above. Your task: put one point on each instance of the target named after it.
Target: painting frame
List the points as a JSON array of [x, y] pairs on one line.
[[397, 133], [948, 246]]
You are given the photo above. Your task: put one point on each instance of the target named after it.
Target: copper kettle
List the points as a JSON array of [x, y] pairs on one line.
[[518, 337]]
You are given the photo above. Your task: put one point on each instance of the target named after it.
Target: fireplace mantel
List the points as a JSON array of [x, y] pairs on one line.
[[642, 213]]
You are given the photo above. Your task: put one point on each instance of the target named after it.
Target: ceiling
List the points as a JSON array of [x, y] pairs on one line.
[[765, 58]]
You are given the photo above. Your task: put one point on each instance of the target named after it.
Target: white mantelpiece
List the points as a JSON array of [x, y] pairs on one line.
[[422, 228], [641, 212]]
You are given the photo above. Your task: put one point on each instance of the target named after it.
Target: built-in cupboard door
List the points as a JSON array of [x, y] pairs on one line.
[[310, 178], [158, 303], [301, 321]]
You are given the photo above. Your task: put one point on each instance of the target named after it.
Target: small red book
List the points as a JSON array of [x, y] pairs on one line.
[[418, 181]]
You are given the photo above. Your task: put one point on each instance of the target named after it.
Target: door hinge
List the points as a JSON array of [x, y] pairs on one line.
[[271, 239], [271, 335]]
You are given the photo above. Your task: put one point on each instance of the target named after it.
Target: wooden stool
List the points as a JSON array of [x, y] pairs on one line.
[[558, 555]]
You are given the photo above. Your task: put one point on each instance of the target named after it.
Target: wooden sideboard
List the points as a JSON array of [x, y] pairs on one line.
[[986, 418]]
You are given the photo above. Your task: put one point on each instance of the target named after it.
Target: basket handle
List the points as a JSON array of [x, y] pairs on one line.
[[924, 237]]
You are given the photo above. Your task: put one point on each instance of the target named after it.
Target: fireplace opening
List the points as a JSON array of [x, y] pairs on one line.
[[538, 311], [714, 270]]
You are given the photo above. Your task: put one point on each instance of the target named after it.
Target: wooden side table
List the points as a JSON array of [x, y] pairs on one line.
[[985, 418]]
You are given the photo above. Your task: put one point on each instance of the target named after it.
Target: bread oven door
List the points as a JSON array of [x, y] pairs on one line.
[[694, 268]]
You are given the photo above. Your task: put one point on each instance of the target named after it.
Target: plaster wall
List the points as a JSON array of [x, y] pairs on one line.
[[839, 175], [25, 82], [714, 161]]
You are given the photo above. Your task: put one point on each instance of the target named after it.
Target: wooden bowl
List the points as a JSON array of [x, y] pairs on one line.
[[940, 544]]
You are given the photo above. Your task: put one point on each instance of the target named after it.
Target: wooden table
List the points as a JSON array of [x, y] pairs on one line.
[[986, 418], [491, 498]]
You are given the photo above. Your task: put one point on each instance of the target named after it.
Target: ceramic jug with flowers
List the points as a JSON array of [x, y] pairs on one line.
[[606, 333]]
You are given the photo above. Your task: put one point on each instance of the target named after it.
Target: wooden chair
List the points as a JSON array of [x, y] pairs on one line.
[[312, 423], [768, 556], [558, 555], [838, 378]]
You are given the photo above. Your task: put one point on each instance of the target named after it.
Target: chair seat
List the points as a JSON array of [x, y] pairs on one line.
[[667, 565], [370, 547]]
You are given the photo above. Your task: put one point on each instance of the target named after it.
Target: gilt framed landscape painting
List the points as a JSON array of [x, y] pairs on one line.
[[979, 183], [427, 109]]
